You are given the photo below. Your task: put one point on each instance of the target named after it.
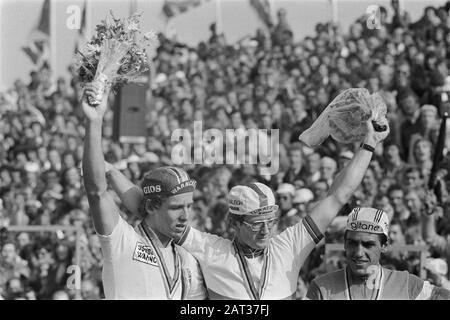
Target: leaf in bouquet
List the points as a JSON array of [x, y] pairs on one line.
[[89, 61], [111, 20], [112, 53], [102, 27], [86, 66]]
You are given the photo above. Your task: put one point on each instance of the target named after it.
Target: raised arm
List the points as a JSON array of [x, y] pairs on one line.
[[347, 181], [429, 234], [429, 216], [105, 213], [129, 193]]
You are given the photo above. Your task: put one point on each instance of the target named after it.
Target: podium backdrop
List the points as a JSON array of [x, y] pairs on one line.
[[129, 114]]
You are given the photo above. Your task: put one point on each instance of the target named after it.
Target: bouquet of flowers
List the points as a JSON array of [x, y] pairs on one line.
[[116, 55], [344, 118]]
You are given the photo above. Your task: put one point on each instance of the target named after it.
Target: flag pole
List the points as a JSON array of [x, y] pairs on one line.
[[334, 11], [219, 28], [88, 25], [1, 56], [272, 10], [132, 6], [438, 153], [53, 44]]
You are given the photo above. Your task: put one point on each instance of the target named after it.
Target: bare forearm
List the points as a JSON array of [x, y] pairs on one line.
[[341, 190], [93, 159], [105, 214]]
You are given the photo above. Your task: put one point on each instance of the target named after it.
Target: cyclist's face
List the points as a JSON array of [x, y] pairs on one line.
[[362, 250], [171, 218], [259, 237]]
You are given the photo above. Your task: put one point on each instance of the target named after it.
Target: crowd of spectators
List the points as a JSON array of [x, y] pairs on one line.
[[266, 81]]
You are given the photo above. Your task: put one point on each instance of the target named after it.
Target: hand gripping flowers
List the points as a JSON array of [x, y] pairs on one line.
[[345, 118], [116, 54]]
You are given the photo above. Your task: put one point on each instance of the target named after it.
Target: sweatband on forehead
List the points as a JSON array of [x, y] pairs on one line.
[[155, 188], [167, 181]]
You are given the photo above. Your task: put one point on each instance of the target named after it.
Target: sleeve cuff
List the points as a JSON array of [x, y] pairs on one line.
[[312, 229]]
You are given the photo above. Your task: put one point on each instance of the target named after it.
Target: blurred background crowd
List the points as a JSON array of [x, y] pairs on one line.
[[267, 81]]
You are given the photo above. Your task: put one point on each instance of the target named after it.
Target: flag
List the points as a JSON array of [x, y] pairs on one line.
[[83, 21], [38, 42], [172, 8], [81, 39], [262, 8]]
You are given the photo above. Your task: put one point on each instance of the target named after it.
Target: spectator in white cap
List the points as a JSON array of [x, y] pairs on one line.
[[366, 237], [257, 264], [285, 193]]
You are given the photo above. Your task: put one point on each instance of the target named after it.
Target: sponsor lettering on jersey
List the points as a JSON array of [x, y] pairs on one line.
[[145, 254]]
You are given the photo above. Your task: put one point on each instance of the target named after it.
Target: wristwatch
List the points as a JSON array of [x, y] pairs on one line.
[[367, 147]]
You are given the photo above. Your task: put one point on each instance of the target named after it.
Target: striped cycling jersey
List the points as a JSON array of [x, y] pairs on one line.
[[137, 266], [392, 285], [272, 276]]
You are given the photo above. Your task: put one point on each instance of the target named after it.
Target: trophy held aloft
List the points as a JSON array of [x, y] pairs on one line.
[[345, 118]]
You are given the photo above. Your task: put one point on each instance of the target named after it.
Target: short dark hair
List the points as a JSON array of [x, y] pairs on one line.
[[236, 217], [295, 147], [394, 144], [395, 187], [404, 94], [153, 203], [413, 169]]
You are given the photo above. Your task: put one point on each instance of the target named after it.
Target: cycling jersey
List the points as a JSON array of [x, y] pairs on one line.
[[137, 266], [230, 275], [392, 285]]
